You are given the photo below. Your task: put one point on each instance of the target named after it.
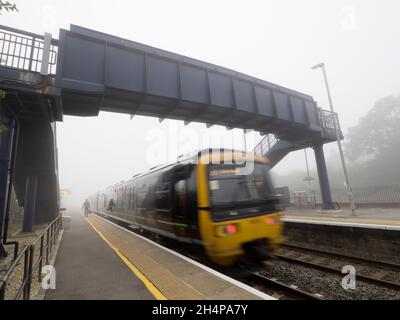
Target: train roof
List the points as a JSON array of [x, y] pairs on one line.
[[208, 156], [205, 156]]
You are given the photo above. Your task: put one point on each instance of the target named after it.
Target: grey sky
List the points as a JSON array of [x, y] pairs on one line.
[[277, 41]]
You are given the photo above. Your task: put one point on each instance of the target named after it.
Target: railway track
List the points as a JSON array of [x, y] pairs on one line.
[[373, 272], [359, 260], [282, 289]]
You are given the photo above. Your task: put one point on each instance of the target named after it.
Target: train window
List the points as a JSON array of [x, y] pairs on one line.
[[131, 198], [185, 201], [141, 196], [150, 192], [227, 187], [119, 193], [163, 194], [183, 172], [126, 199], [180, 187], [180, 196], [141, 200]]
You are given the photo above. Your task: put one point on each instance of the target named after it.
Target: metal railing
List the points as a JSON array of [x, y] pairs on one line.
[[24, 50], [266, 143], [328, 119], [370, 196], [32, 257]]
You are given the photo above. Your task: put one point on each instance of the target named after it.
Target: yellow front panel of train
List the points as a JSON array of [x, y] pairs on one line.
[[223, 240]]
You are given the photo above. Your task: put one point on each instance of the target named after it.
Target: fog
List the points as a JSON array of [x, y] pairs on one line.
[[277, 41]]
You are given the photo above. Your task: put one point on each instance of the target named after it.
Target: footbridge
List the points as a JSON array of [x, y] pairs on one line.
[[85, 72]]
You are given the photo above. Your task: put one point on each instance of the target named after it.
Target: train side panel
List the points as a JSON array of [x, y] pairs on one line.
[[163, 202]]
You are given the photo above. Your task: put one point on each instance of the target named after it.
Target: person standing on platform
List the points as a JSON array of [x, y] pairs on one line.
[[86, 208]]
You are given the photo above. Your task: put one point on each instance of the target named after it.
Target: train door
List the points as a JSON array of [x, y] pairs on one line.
[[104, 206], [179, 201], [132, 203], [162, 202], [143, 194], [125, 198]]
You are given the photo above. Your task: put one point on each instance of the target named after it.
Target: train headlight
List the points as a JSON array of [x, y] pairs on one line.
[[271, 221], [231, 229], [225, 230]]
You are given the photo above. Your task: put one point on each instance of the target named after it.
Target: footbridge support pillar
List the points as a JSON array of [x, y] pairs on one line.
[[323, 177]]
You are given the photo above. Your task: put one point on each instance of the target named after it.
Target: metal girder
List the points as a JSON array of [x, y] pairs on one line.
[[175, 86]]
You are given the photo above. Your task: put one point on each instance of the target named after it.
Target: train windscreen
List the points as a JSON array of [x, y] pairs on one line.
[[229, 188]]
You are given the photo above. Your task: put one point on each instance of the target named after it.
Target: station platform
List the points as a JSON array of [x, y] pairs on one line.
[[101, 260], [379, 218]]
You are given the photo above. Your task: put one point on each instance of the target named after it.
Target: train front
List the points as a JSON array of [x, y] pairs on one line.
[[242, 220]]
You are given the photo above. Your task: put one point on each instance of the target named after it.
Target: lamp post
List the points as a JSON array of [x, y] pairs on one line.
[[335, 124]]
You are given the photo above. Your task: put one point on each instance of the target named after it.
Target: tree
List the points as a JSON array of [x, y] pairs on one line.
[[7, 6], [377, 133], [373, 146]]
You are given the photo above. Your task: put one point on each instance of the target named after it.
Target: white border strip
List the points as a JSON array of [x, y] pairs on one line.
[[345, 224], [199, 265]]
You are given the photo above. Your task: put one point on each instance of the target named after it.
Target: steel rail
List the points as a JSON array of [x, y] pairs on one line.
[[277, 285], [321, 267], [373, 263]]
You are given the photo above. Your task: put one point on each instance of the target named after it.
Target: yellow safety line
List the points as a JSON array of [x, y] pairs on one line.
[[149, 285]]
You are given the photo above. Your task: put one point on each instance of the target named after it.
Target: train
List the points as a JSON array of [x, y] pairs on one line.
[[209, 198]]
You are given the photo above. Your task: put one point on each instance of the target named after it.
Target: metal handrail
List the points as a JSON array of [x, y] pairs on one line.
[[328, 119], [26, 33], [46, 240], [4, 279], [23, 50], [266, 143]]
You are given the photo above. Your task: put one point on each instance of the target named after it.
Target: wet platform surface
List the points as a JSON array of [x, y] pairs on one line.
[[87, 268], [100, 260]]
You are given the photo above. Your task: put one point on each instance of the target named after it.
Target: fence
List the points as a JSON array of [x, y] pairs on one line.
[[24, 51], [41, 248], [371, 196]]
